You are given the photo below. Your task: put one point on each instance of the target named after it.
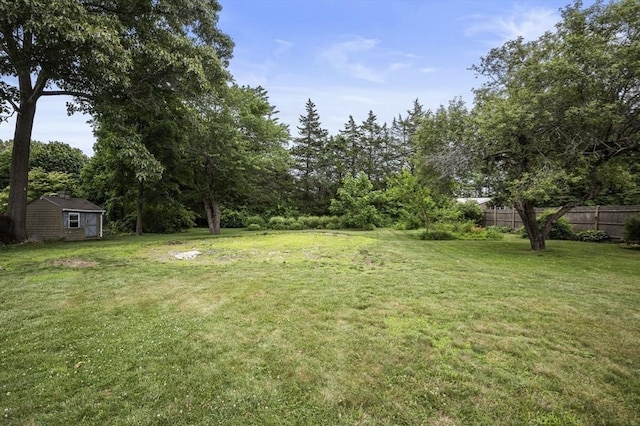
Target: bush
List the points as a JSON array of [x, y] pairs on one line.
[[470, 211], [167, 217], [253, 227], [631, 233], [310, 222], [437, 235], [295, 226], [277, 223], [592, 235], [233, 219], [255, 220], [502, 229]]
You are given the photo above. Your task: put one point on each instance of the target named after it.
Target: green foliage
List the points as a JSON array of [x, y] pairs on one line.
[[4, 200], [503, 229], [5, 164], [253, 227], [280, 222], [312, 222], [319, 222], [255, 220], [57, 157], [412, 200], [561, 229], [437, 235], [556, 119], [167, 217], [592, 235], [470, 210], [233, 219], [355, 203], [42, 182], [631, 233]]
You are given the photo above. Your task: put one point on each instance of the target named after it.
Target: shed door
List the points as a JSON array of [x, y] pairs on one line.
[[91, 225]]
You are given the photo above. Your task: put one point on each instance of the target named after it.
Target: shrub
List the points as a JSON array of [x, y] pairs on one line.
[[166, 217], [438, 235], [470, 211], [253, 227], [310, 222], [503, 229], [277, 223], [233, 219], [464, 227], [592, 235], [255, 220], [631, 233], [295, 226]]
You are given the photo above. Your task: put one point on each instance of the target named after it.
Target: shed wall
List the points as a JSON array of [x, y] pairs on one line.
[[44, 220]]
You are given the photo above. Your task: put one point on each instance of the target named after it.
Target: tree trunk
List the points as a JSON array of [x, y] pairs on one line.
[[19, 177], [214, 214], [139, 208], [425, 218], [526, 211]]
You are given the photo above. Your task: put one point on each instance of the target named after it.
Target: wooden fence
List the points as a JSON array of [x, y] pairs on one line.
[[609, 219]]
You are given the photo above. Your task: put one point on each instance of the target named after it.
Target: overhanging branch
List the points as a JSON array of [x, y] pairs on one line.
[[65, 92]]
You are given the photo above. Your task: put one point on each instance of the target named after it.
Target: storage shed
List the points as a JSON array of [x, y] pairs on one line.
[[54, 217]]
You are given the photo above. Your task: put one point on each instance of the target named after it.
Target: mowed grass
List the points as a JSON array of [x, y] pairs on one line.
[[318, 328]]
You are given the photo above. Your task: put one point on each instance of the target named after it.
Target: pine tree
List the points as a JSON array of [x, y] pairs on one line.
[[310, 156]]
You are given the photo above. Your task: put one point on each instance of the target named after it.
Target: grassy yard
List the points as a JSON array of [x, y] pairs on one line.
[[318, 328]]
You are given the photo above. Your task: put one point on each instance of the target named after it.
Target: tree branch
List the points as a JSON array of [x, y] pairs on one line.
[[65, 92]]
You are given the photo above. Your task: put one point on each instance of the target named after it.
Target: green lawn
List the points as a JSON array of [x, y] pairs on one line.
[[318, 328]]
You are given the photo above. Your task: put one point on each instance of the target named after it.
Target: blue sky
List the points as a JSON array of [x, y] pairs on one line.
[[349, 56]]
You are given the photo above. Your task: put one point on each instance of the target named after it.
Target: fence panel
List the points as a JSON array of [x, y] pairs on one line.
[[609, 219]]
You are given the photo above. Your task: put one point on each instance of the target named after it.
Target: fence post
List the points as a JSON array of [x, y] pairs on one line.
[[495, 216], [597, 218], [513, 218]]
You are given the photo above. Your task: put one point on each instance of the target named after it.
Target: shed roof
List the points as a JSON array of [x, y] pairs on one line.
[[72, 204]]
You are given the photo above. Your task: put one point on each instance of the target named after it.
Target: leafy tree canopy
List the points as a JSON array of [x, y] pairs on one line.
[[556, 113]]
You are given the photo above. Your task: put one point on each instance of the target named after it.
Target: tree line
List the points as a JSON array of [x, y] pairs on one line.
[[554, 123]]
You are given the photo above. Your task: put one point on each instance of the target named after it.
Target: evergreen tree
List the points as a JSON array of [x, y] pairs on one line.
[[372, 143], [310, 153], [403, 130], [351, 139]]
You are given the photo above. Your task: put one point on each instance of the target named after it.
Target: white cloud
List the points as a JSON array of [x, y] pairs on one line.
[[341, 57], [364, 59], [520, 22], [428, 70], [399, 66], [283, 46]]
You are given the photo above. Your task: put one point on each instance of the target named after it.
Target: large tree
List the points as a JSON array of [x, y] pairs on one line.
[[85, 49], [237, 142], [556, 114], [309, 152]]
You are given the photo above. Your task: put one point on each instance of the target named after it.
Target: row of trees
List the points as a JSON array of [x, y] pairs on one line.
[[554, 124]]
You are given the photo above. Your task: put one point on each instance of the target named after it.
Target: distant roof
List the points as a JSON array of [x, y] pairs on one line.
[[76, 204], [479, 200]]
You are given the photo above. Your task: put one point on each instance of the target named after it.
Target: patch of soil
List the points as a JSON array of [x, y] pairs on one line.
[[75, 263]]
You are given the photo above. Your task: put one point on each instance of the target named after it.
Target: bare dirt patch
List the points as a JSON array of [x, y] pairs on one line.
[[75, 263]]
